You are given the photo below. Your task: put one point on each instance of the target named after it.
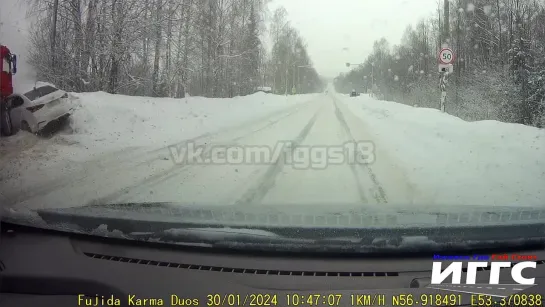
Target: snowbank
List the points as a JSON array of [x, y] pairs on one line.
[[105, 125], [114, 121], [459, 162]]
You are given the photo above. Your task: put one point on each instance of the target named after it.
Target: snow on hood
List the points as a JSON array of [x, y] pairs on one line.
[[29, 87], [222, 233]]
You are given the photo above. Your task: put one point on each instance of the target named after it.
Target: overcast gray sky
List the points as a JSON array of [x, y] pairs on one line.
[[328, 26], [336, 31]]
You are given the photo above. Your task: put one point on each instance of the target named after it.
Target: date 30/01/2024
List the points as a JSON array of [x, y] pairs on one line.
[[306, 299]]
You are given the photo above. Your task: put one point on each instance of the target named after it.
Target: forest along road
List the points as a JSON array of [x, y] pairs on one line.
[[317, 153]]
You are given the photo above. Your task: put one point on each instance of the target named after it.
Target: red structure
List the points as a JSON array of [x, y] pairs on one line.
[[8, 67]]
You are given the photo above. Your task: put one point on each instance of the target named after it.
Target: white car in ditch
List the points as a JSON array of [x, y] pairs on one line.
[[35, 109]]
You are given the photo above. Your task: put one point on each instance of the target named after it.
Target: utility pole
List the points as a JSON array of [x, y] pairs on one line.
[[293, 90], [443, 78], [286, 89], [446, 19], [297, 85], [373, 79], [54, 32]]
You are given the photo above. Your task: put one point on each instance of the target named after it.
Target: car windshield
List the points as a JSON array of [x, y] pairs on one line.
[[39, 92], [377, 115]]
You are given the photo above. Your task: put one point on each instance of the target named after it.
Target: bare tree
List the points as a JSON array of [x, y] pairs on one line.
[[499, 70], [163, 47]]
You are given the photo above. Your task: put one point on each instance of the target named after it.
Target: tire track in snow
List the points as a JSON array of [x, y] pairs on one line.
[[175, 171], [359, 184], [380, 197], [114, 162], [105, 160], [256, 193], [260, 120]]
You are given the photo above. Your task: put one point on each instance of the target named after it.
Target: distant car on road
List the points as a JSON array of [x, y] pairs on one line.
[[264, 89], [33, 110], [353, 93]]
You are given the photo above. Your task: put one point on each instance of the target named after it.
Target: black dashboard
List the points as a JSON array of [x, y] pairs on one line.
[[48, 268]]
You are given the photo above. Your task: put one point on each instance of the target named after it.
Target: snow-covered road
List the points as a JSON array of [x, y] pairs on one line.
[[305, 173], [286, 179], [304, 150]]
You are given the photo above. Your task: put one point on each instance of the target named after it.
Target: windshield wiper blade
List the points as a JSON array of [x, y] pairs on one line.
[[227, 227], [407, 249], [274, 240], [252, 239], [216, 235]]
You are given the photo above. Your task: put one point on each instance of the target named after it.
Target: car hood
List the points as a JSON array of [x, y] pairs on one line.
[[335, 215], [352, 228]]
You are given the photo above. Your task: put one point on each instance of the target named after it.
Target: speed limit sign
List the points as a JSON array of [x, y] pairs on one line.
[[446, 56]]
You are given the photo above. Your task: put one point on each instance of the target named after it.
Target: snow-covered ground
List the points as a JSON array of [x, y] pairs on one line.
[[114, 122], [459, 162], [118, 151], [106, 129]]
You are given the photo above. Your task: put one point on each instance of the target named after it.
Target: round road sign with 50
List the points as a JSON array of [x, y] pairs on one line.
[[446, 56]]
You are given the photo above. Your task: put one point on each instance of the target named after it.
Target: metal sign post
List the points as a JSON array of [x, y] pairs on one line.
[[443, 87], [446, 58]]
